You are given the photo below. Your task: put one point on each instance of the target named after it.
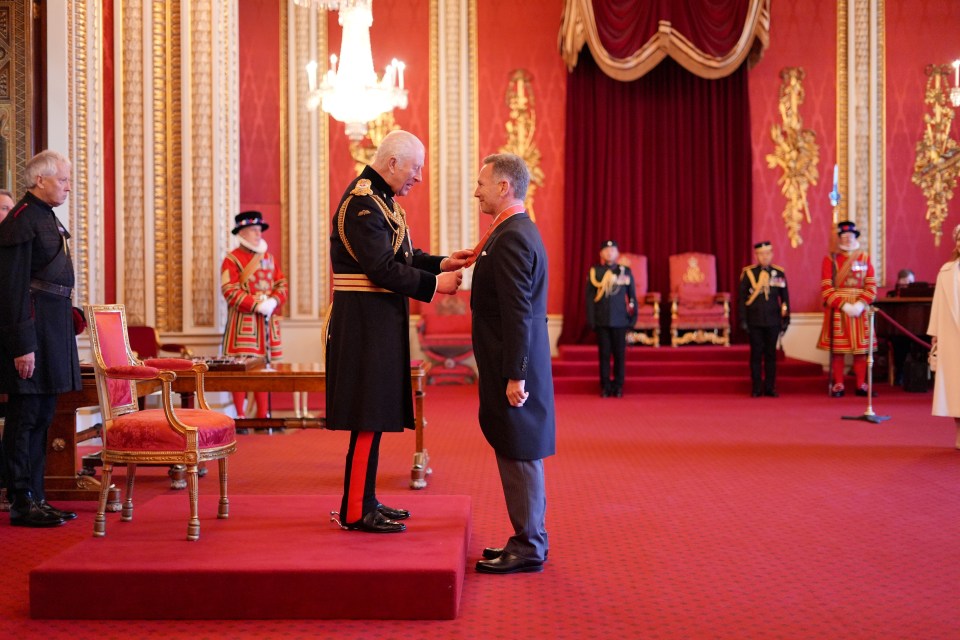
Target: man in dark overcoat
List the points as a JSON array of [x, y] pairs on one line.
[[512, 349], [764, 306], [375, 271], [38, 349]]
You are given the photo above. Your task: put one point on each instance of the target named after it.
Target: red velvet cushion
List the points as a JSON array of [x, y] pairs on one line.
[[149, 431], [169, 364], [132, 372], [446, 325]]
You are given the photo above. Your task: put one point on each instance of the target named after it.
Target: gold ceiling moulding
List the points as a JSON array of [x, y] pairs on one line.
[[796, 152], [521, 126], [938, 155]]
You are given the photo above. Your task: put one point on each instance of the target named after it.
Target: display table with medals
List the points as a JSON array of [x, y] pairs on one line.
[[251, 373]]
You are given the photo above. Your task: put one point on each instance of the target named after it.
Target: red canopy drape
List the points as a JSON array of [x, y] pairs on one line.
[[709, 38], [661, 164]]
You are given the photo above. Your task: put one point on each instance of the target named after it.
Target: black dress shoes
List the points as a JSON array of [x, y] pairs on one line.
[[771, 393], [27, 513], [756, 394], [508, 563], [375, 522], [837, 391], [617, 392], [49, 508], [495, 552], [391, 513], [862, 391]]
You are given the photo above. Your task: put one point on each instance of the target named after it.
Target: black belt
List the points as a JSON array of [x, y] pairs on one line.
[[49, 287]]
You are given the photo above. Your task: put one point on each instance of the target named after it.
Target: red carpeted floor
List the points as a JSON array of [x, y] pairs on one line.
[[676, 516]]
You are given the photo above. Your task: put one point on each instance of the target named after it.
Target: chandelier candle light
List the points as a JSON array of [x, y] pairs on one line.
[[350, 91], [955, 91]]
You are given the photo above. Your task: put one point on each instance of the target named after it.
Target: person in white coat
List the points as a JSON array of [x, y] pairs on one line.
[[944, 330]]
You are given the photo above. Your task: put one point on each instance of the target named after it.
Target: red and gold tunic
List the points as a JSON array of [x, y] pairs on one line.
[[846, 278], [244, 333]]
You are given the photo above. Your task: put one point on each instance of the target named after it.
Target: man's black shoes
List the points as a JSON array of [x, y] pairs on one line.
[[26, 512], [375, 522], [391, 513], [49, 508], [491, 553], [508, 563]]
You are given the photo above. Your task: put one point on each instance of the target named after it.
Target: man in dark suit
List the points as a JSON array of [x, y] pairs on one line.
[[375, 271], [611, 311], [764, 306], [38, 349], [512, 349]]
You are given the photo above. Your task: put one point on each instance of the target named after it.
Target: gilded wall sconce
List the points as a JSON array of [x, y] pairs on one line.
[[796, 152], [521, 125]]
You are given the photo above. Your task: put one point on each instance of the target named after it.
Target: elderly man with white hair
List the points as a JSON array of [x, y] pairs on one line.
[[38, 351]]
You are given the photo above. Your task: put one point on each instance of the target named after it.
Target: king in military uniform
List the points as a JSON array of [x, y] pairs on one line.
[[848, 286], [375, 271], [764, 314], [254, 286], [611, 311]]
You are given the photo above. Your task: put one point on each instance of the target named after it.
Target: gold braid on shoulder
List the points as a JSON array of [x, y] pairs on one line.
[[606, 286]]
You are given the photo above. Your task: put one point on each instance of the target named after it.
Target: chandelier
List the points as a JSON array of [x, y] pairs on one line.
[[350, 90]]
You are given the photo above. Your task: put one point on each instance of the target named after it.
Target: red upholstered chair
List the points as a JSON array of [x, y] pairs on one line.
[[445, 336], [159, 436], [646, 329], [697, 310]]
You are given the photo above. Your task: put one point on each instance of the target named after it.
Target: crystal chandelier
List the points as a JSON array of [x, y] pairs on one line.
[[350, 90]]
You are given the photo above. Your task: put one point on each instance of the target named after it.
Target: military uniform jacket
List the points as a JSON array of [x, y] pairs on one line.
[[33, 244], [510, 340], [611, 310], [764, 310], [244, 332], [846, 278], [368, 336]]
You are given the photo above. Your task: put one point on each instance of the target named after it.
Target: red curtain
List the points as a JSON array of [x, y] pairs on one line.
[[662, 165]]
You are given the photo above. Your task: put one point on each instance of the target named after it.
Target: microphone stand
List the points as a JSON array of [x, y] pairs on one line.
[[869, 415], [268, 367]]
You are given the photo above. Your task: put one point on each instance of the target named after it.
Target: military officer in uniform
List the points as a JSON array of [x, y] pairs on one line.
[[611, 311], [764, 314], [254, 287], [848, 286], [38, 349], [375, 270]]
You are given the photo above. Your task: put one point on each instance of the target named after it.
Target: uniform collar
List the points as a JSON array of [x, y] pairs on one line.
[[377, 183], [34, 200]]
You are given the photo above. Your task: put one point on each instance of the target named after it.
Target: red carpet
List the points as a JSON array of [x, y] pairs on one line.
[[670, 516], [706, 368], [271, 559]]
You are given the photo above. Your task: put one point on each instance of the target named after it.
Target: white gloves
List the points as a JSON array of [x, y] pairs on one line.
[[853, 309], [266, 307]]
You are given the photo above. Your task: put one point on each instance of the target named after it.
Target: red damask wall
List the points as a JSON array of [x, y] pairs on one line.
[[919, 32], [259, 27]]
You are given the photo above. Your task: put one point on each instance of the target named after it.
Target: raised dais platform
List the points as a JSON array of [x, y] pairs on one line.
[[276, 557], [686, 369]]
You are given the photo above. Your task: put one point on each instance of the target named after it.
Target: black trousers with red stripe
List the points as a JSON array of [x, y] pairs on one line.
[[360, 478]]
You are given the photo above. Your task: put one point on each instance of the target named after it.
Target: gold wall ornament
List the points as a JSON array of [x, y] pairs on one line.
[[796, 152], [521, 126], [938, 155], [363, 150]]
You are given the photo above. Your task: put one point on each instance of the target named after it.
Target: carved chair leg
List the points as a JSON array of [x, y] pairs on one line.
[[126, 514], [100, 520], [223, 510], [193, 485]]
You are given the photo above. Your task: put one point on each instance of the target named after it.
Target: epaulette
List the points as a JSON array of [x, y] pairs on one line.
[[750, 266], [363, 188], [777, 267]]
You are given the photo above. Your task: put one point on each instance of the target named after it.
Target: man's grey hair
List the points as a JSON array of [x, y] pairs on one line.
[[512, 168], [45, 163]]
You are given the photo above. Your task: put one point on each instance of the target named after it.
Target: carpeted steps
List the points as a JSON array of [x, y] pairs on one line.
[[687, 369]]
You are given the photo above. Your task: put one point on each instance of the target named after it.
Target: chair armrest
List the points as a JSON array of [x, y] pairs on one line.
[[132, 372], [169, 364]]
